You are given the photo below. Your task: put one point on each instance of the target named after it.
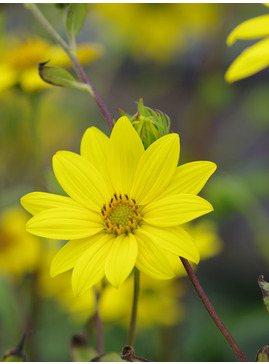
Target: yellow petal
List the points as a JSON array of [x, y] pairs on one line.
[[35, 202], [125, 150], [250, 29], [121, 259], [65, 223], [156, 168], [173, 239], [250, 61], [80, 180], [94, 147], [89, 269], [69, 254], [189, 178], [151, 259], [175, 210]]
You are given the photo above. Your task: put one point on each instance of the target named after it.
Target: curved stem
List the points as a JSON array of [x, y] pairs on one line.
[[80, 71], [132, 327], [74, 60], [211, 310]]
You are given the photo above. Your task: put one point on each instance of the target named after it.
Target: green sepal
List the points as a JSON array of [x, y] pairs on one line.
[[264, 286], [58, 76], [76, 15]]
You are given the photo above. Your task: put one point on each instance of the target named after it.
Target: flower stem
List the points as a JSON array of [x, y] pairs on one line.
[[73, 58], [132, 327], [211, 310], [98, 324]]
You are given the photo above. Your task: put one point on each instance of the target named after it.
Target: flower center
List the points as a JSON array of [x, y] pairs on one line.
[[121, 215]]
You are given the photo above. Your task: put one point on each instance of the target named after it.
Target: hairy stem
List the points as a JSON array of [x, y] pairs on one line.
[[132, 327], [73, 58], [211, 310]]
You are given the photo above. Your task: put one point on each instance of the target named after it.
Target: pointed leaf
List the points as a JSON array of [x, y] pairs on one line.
[[75, 18]]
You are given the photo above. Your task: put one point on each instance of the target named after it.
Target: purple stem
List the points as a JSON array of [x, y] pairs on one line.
[[97, 97], [211, 310]]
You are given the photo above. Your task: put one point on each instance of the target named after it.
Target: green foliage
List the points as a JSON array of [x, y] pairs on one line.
[[58, 76], [76, 15], [55, 75]]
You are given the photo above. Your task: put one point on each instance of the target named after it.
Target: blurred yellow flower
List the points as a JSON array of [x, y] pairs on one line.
[[124, 208], [156, 31], [20, 60], [19, 250], [205, 236], [256, 57]]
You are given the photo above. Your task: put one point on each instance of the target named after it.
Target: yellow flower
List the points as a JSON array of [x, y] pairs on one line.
[[19, 250], [164, 29], [256, 57], [205, 236], [124, 208], [159, 302]]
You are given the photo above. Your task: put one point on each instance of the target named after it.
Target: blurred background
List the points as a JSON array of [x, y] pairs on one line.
[[174, 56]]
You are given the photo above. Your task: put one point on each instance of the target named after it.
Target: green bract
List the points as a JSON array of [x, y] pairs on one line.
[[149, 124]]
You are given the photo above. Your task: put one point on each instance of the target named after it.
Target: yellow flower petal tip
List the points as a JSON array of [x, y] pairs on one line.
[[123, 207]]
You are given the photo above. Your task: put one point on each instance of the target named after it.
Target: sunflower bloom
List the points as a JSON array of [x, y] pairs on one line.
[[123, 209]]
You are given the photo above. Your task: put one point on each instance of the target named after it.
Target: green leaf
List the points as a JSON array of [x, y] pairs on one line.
[[75, 18], [264, 286]]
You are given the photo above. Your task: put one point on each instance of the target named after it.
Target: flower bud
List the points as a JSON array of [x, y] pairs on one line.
[[149, 124]]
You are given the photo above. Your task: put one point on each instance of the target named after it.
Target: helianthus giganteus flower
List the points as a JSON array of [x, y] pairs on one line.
[[124, 208], [254, 58]]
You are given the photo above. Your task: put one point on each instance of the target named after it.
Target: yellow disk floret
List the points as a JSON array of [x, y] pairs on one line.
[[121, 215]]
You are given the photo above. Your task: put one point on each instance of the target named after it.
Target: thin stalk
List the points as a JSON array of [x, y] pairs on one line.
[[211, 310], [98, 324], [80, 71], [52, 32], [132, 327], [74, 60]]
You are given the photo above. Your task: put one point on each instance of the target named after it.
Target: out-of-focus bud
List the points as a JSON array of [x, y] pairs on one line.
[[263, 354], [16, 354], [80, 350], [150, 124], [264, 286]]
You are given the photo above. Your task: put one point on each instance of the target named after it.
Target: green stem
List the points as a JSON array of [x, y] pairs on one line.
[[132, 327], [56, 36], [98, 324], [71, 53], [211, 310]]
